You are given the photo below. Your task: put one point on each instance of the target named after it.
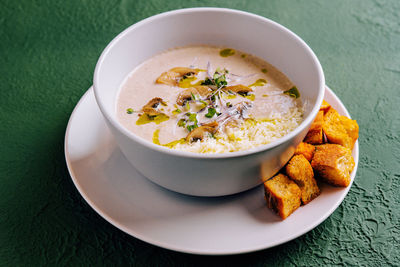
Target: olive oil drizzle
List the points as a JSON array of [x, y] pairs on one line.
[[259, 82], [156, 140], [227, 52], [157, 119]]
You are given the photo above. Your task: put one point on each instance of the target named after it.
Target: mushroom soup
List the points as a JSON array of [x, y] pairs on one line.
[[208, 100]]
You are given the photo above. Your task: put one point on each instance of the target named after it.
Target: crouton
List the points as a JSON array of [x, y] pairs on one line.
[[305, 149], [351, 127], [315, 135], [300, 171], [325, 106], [282, 195], [340, 129], [333, 163]]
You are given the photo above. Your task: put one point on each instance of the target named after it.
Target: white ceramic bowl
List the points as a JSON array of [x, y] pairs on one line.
[[207, 174]]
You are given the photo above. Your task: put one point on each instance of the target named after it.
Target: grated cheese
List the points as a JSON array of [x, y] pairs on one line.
[[251, 133]]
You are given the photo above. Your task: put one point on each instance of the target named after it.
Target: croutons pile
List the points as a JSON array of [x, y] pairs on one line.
[[324, 154]]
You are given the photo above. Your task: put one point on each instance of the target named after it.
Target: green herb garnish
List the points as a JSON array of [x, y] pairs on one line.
[[191, 127], [203, 104], [264, 70], [211, 112], [219, 78], [192, 116], [192, 119], [176, 111], [207, 81], [129, 111], [292, 92], [181, 123], [221, 81]]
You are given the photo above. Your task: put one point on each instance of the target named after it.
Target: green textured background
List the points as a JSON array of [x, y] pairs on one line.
[[48, 50]]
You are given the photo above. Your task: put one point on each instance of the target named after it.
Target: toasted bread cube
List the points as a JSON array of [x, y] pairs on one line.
[[282, 195], [315, 135], [351, 127], [340, 129], [300, 171], [305, 149], [325, 106], [333, 163]]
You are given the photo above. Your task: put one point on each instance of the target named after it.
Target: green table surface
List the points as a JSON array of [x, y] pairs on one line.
[[48, 51]]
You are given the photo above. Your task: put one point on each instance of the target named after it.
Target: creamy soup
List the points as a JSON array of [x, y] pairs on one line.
[[208, 100]]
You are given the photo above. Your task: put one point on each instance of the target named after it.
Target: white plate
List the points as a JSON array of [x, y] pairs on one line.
[[224, 225]]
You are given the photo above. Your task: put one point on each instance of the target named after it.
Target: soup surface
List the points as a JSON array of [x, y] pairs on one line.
[[208, 100]]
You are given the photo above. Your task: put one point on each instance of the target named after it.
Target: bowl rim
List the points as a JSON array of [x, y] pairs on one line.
[[187, 154]]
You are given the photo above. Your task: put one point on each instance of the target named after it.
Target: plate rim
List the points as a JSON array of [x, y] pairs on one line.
[[172, 247]]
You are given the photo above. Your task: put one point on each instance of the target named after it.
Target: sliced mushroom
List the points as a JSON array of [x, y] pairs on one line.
[[186, 95], [171, 77], [199, 132], [150, 107], [239, 89]]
